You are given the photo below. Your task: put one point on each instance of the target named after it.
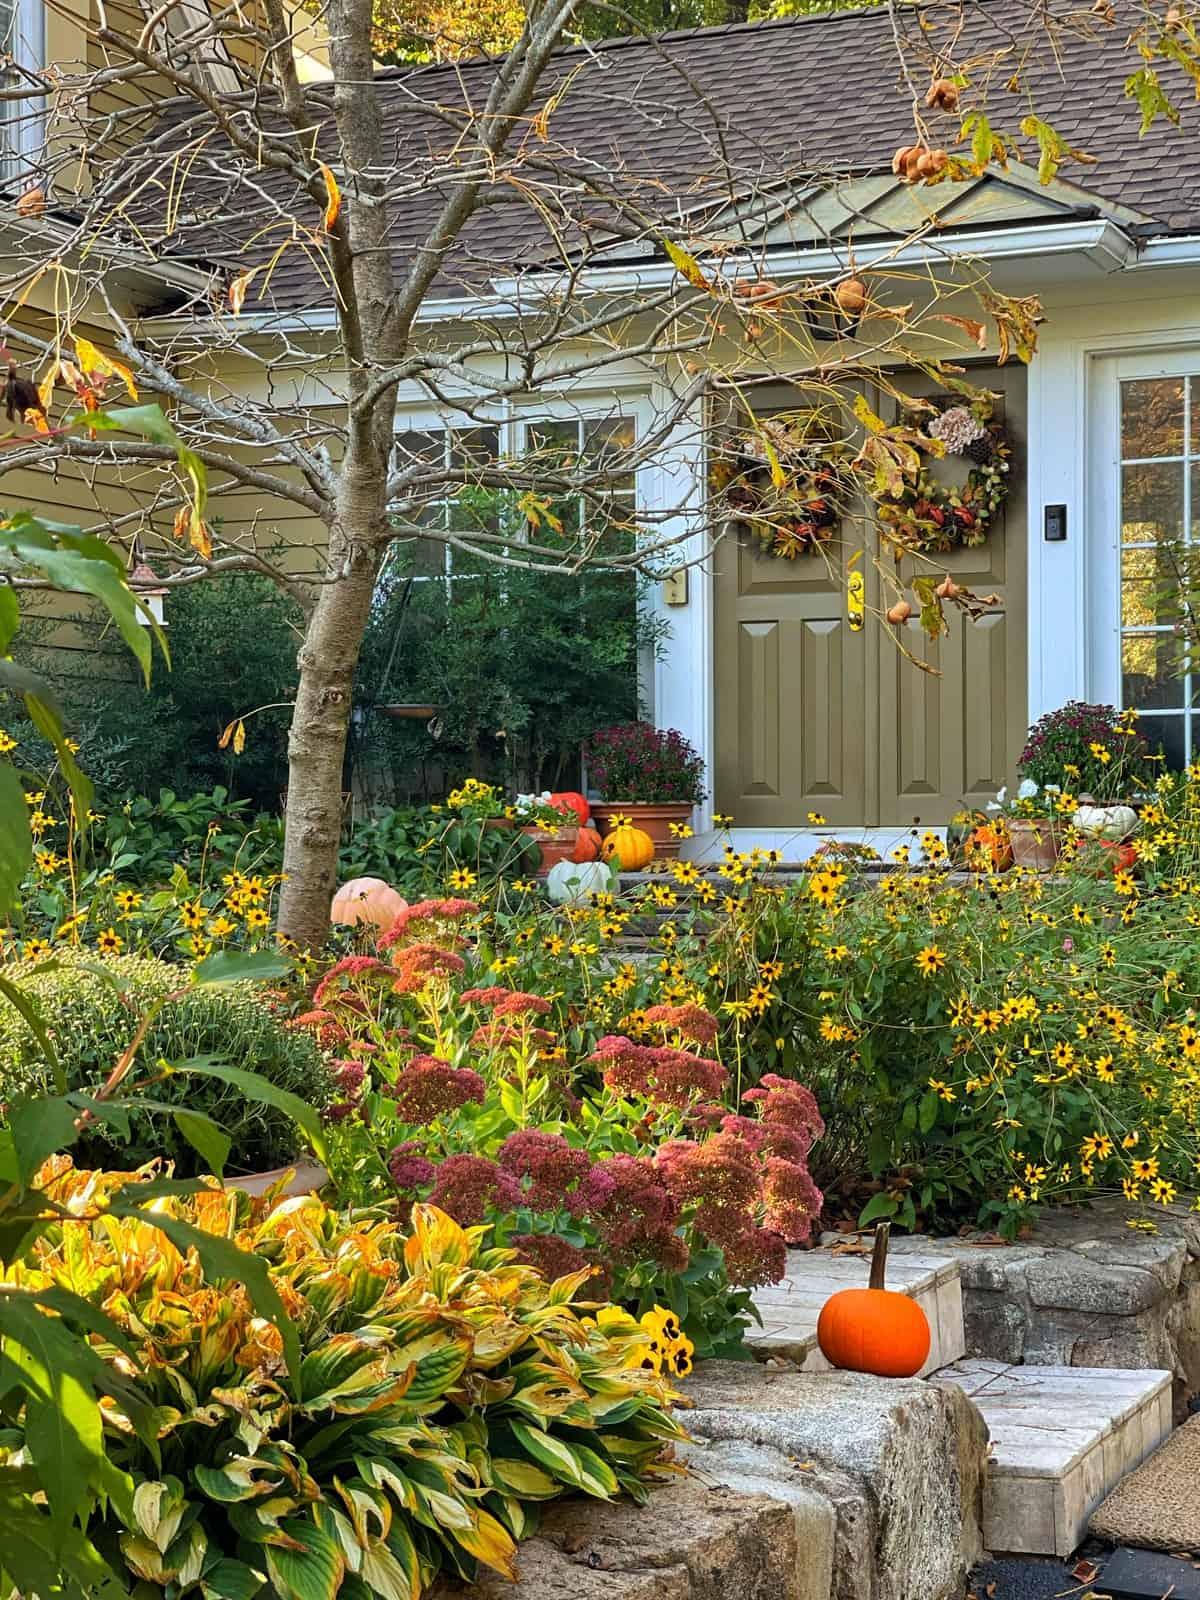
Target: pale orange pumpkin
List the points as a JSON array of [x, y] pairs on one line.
[[587, 845], [631, 848], [368, 900], [874, 1329]]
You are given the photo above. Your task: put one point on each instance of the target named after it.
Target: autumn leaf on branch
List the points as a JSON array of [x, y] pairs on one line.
[[333, 204], [1017, 319]]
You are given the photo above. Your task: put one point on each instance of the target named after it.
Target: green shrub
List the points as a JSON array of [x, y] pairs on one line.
[[91, 1006]]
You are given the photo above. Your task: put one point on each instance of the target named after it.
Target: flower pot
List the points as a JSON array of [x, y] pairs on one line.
[[1034, 843], [556, 844], [653, 817]]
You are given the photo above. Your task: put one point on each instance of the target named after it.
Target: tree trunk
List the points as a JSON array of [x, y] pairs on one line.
[[317, 741]]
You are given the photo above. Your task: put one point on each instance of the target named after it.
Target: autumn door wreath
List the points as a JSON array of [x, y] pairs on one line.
[[787, 482], [929, 515]]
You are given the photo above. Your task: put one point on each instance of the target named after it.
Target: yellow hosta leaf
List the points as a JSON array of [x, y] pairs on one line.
[[490, 1542], [94, 361], [333, 204]]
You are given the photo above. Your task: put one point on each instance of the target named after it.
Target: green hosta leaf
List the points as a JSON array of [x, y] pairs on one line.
[[231, 1580], [524, 1479], [310, 1567], [237, 1479], [205, 1137], [221, 1259], [437, 1372], [879, 1205]]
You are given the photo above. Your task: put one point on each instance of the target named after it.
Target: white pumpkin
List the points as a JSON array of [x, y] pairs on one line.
[[572, 883], [367, 900], [1105, 822]]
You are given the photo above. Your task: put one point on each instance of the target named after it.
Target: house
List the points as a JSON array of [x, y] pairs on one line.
[[799, 710]]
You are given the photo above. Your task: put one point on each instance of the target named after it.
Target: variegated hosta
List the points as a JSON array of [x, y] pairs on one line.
[[443, 1391]]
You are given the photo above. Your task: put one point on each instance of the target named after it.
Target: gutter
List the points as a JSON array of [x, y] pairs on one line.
[[1100, 241]]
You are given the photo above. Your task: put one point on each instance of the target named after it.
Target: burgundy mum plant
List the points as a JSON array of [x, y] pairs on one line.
[[636, 761]]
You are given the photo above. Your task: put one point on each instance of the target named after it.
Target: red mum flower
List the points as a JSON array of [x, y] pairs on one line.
[[428, 920], [634, 1212], [557, 1258], [417, 963], [409, 1169], [673, 1077], [755, 1256]]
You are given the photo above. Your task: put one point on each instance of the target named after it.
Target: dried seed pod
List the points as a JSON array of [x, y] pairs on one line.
[[932, 163], [851, 296], [947, 589], [900, 159], [942, 95], [1173, 20], [32, 203], [900, 612], [912, 164]]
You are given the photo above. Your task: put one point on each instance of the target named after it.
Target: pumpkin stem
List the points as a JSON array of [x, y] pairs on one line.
[[879, 1252]]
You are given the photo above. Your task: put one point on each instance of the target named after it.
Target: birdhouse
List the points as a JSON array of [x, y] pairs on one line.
[[148, 587]]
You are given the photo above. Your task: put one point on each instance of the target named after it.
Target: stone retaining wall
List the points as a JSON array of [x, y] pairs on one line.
[[1086, 1290]]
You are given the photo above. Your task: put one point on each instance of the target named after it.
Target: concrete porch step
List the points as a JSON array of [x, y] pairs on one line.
[[1062, 1438], [789, 1309]]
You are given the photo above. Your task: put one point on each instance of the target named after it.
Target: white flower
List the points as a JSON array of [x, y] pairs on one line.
[[1054, 788], [1026, 789], [992, 805], [1001, 796]]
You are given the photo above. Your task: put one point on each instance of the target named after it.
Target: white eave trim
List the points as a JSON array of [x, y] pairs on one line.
[[1099, 241]]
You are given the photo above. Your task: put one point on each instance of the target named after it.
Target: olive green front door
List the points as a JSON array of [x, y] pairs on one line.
[[816, 714]]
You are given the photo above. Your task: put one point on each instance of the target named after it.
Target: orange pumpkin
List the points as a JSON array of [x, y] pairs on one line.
[[368, 900], [631, 848], [571, 800], [1118, 856], [587, 845], [873, 1329], [989, 849]]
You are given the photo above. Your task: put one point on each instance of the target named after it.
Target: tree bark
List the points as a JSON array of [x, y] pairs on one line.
[[320, 723]]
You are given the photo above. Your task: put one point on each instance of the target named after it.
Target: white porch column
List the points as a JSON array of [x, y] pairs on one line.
[[683, 671]]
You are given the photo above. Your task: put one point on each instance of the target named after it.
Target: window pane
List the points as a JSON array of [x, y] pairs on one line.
[[1151, 675], [1167, 734], [1149, 587], [1152, 417], [1152, 503]]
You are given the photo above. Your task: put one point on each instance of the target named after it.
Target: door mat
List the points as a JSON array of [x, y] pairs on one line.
[[1158, 1505], [1149, 1575]]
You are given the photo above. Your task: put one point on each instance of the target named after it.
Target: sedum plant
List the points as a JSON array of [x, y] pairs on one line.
[[442, 1391]]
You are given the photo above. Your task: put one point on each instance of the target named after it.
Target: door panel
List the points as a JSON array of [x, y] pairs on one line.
[[812, 716], [789, 692], [953, 739]]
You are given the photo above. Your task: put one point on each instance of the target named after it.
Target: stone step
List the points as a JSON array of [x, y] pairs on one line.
[[1062, 1438], [789, 1309]]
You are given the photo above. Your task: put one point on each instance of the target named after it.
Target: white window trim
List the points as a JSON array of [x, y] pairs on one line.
[[1103, 572]]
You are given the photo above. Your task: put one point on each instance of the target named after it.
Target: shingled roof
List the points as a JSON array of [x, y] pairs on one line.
[[695, 117]]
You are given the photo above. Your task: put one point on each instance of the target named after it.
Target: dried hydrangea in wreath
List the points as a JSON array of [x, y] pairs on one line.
[[787, 482], [931, 515]]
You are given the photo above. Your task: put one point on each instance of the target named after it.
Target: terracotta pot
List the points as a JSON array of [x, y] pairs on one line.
[[556, 844], [652, 817], [1034, 843]]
